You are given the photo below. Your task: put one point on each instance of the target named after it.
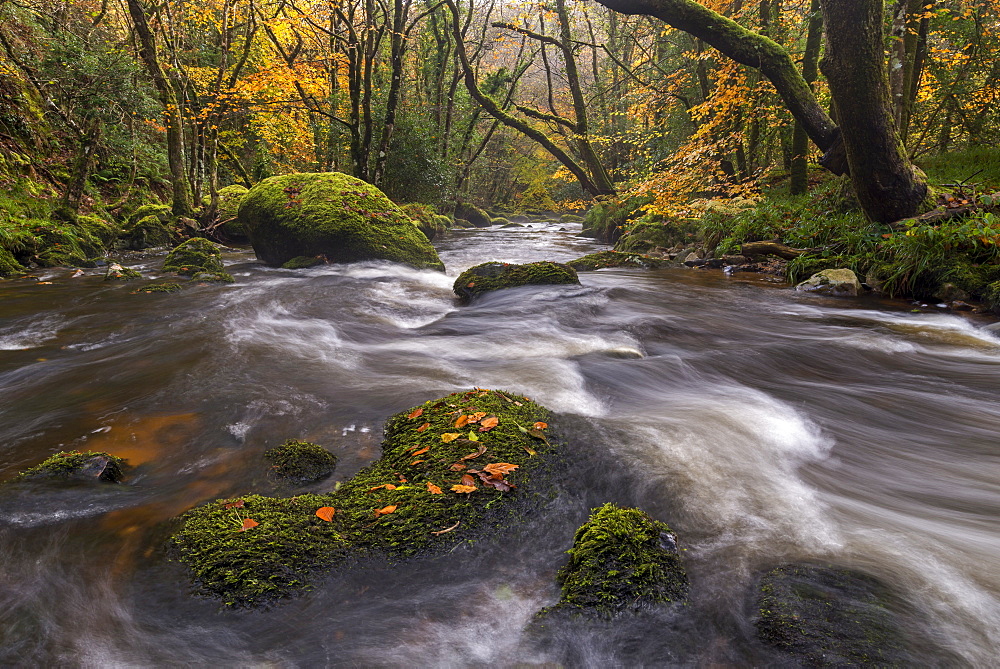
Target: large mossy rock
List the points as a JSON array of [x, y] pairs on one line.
[[8, 264], [836, 282], [230, 198], [829, 617], [452, 470], [498, 275], [473, 214], [334, 215], [78, 466], [426, 219], [622, 560], [198, 258], [603, 259]]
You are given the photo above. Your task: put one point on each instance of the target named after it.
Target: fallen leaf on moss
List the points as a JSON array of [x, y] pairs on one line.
[[325, 513], [462, 421], [387, 486], [417, 413], [488, 423], [473, 436], [449, 437], [468, 479], [385, 510], [238, 504], [464, 488], [540, 425], [249, 523], [476, 417], [498, 469], [447, 529], [433, 489], [421, 451], [423, 427], [416, 462], [473, 456], [457, 467]]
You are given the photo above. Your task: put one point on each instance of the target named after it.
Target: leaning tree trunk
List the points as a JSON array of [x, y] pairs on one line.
[[888, 187]]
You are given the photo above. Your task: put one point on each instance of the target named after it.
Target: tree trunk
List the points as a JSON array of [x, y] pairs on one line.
[[810, 69], [887, 185]]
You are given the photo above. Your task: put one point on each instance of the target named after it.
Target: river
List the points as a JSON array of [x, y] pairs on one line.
[[763, 425]]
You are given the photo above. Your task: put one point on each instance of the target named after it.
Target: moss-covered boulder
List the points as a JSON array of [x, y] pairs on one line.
[[622, 560], [149, 226], [76, 465], [334, 215], [167, 287], [501, 221], [499, 275], [304, 262], [426, 219], [473, 214], [828, 617], [198, 258], [230, 198], [300, 461], [8, 264], [603, 259], [452, 470], [836, 282], [116, 272]]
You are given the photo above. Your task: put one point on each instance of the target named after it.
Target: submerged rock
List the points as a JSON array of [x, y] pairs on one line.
[[837, 282], [301, 461], [829, 617], [603, 259], [452, 470], [199, 258], [621, 560], [75, 465], [334, 215], [498, 275]]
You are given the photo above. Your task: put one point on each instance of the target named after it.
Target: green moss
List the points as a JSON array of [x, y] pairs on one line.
[[828, 617], [303, 262], [605, 259], [500, 220], [160, 211], [426, 219], [149, 231], [230, 198], [214, 277], [301, 461], [88, 465], [333, 214], [195, 256], [473, 214], [291, 545], [99, 229], [621, 560], [118, 273], [159, 288], [606, 220], [8, 264], [497, 276]]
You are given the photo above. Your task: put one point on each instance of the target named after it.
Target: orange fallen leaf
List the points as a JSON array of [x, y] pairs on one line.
[[471, 284], [488, 423], [473, 456], [498, 469], [464, 488], [416, 462], [387, 486], [468, 479], [462, 421], [433, 489], [325, 513], [476, 417], [421, 451], [417, 413], [457, 467], [385, 510], [249, 523], [423, 427], [238, 504], [449, 437], [540, 425]]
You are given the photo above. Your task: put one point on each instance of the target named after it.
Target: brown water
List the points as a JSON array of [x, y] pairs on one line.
[[763, 425]]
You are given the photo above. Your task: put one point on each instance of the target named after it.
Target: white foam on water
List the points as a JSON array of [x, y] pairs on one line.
[[275, 327], [21, 338]]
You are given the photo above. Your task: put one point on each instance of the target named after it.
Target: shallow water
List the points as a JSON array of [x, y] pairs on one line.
[[762, 425]]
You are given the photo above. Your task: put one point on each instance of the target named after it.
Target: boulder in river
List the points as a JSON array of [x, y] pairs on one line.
[[300, 461], [621, 560], [603, 259], [452, 470], [473, 214], [198, 258], [230, 198], [499, 275], [830, 617], [116, 272], [334, 215], [76, 465], [836, 282]]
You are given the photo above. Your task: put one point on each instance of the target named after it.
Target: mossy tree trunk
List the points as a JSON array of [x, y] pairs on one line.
[[887, 185], [810, 69]]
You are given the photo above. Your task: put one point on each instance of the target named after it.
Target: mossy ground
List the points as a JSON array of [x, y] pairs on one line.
[[828, 617], [300, 461], [76, 464], [333, 214], [604, 259], [621, 560], [497, 276], [423, 452]]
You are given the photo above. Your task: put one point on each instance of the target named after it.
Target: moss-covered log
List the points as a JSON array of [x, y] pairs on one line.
[[451, 469], [621, 560], [498, 275]]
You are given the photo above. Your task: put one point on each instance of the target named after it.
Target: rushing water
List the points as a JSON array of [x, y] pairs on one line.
[[765, 426]]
